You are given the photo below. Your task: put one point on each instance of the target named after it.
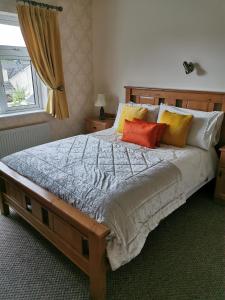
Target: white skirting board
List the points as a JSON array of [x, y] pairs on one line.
[[17, 139]]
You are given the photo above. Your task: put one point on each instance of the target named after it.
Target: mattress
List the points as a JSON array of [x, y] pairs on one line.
[[127, 187]]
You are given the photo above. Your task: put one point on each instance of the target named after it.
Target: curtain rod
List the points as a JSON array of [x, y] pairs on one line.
[[43, 5]]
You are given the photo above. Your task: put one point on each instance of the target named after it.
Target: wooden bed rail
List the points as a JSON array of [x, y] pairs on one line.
[[79, 237]]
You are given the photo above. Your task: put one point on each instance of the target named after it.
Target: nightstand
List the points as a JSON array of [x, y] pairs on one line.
[[94, 124], [220, 178]]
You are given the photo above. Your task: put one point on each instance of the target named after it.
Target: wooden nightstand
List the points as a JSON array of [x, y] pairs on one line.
[[94, 124], [220, 178]]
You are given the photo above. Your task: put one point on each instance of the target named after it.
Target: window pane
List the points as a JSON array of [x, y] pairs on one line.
[[18, 83], [11, 36]]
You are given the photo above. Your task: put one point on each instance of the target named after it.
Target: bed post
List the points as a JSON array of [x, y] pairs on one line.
[[98, 267], [128, 93], [4, 208]]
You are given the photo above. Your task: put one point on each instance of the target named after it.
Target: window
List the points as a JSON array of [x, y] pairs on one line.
[[20, 87]]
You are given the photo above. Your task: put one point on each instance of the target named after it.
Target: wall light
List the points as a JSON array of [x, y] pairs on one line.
[[189, 67]]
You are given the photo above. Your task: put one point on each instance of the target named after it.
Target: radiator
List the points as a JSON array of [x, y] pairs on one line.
[[13, 140]]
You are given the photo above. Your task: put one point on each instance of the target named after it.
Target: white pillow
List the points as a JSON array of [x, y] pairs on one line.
[[205, 126], [152, 115]]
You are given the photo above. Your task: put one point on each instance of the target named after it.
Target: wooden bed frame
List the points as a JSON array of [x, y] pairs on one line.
[[79, 237]]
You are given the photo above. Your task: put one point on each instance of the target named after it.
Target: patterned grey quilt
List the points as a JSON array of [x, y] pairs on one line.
[[108, 181]]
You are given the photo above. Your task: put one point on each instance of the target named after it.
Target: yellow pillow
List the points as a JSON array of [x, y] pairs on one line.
[[129, 113], [177, 131]]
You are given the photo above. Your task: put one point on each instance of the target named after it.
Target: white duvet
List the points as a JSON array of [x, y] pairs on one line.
[[143, 213]]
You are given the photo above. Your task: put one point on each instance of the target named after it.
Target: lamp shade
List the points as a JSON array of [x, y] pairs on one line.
[[101, 100]]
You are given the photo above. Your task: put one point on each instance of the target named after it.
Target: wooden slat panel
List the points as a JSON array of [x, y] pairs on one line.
[[184, 103], [68, 233], [128, 94], [36, 210], [144, 93], [211, 106], [156, 100], [147, 100], [170, 101], [137, 99], [15, 193], [197, 105]]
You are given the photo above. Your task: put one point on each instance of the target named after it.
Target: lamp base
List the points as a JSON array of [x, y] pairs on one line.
[[102, 114]]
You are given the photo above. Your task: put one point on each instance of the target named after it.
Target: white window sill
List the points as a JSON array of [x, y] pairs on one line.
[[23, 113], [20, 119]]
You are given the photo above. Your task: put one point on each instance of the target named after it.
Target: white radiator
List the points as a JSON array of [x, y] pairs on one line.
[[13, 140]]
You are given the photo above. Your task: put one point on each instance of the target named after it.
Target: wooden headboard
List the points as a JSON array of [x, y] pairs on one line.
[[198, 100]]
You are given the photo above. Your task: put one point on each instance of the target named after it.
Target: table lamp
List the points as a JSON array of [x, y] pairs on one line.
[[101, 102]]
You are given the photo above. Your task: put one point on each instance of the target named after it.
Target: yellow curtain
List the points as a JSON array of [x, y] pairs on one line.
[[40, 30]]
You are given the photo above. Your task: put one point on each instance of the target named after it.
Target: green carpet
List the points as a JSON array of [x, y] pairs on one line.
[[184, 258]]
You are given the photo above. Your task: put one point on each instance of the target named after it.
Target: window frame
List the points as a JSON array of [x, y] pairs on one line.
[[15, 52]]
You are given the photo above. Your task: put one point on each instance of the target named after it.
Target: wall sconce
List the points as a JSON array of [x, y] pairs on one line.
[[189, 67]]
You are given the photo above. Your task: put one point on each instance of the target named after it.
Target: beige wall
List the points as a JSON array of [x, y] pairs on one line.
[[76, 38], [136, 42], [144, 43]]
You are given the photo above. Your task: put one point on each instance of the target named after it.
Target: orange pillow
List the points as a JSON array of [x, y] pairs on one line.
[[142, 134], [161, 127]]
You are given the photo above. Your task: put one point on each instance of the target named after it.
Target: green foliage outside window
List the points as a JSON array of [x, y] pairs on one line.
[[18, 96]]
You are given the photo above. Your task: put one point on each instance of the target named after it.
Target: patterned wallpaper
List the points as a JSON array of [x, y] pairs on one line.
[[76, 38]]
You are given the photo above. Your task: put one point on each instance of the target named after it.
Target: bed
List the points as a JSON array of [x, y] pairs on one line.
[[114, 204]]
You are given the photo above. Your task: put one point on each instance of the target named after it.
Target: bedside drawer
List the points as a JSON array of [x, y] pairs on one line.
[[93, 127]]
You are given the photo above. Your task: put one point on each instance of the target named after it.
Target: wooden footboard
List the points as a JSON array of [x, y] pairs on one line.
[[79, 237]]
